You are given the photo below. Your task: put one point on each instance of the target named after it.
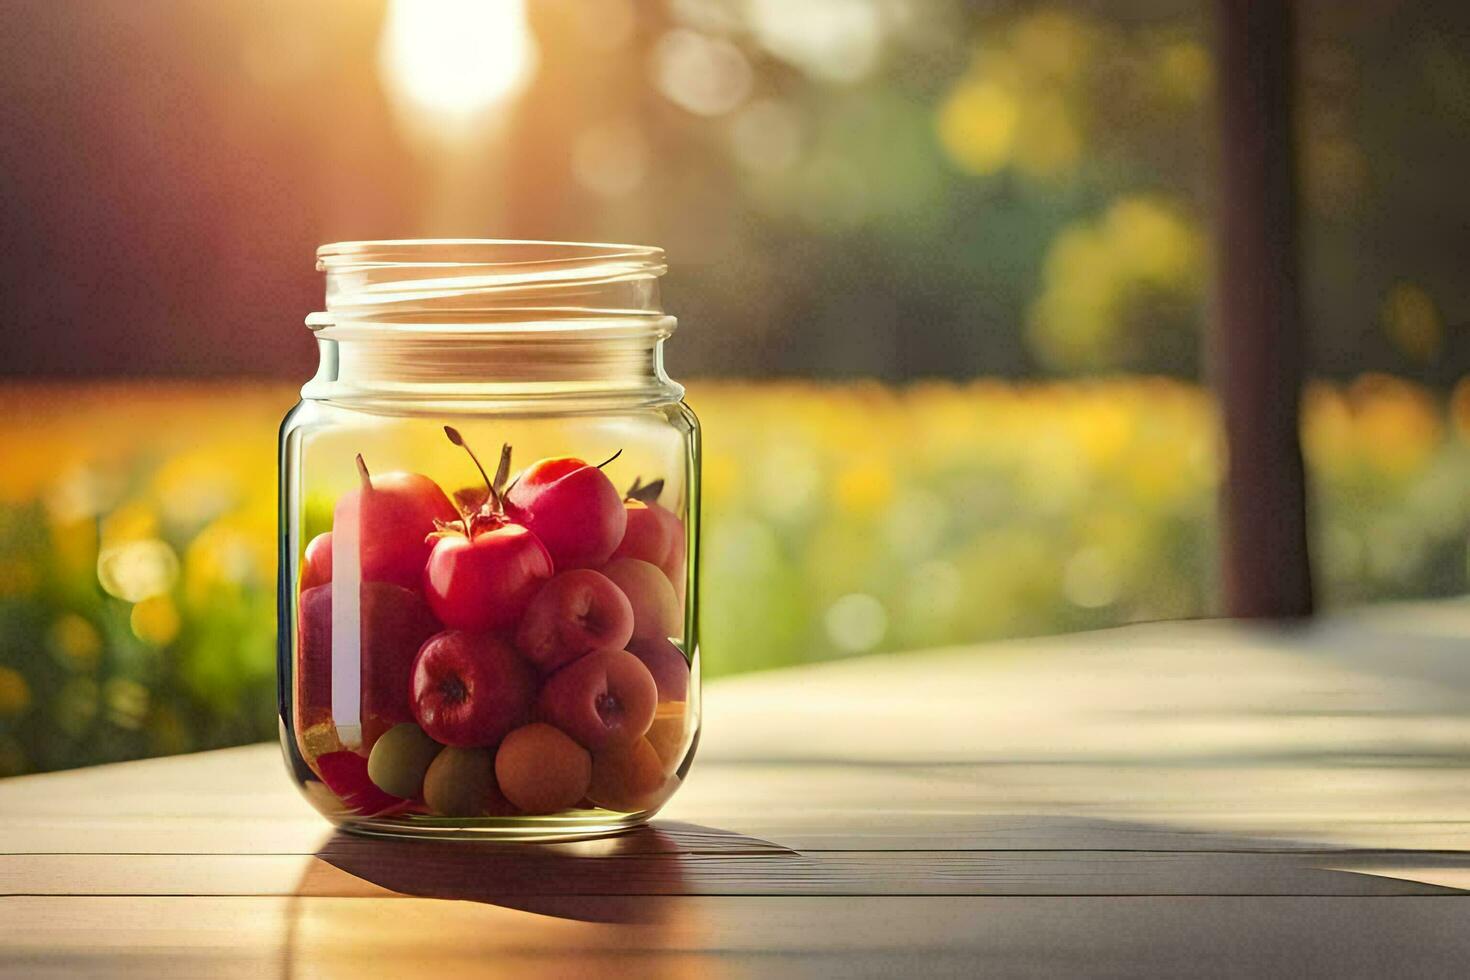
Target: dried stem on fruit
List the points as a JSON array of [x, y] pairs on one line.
[[445, 528], [458, 440], [486, 515], [647, 493], [502, 472]]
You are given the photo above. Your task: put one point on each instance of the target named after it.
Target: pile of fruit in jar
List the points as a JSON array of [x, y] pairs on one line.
[[515, 650]]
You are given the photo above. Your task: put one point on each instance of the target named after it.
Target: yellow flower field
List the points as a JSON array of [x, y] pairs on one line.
[[138, 531]]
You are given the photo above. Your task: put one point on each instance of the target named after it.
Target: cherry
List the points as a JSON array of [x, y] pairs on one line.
[[572, 507], [577, 612], [656, 608], [667, 665], [484, 569], [606, 698], [391, 514], [650, 532], [654, 534]]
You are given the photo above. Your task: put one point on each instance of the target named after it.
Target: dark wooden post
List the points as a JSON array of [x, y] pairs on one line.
[[1258, 337]]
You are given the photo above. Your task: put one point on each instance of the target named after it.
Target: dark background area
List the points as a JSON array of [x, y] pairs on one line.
[[169, 168]]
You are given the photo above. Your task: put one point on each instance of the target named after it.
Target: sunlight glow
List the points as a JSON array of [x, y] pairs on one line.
[[456, 58]]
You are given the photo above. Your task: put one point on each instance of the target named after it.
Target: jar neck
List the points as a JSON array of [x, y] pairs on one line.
[[621, 363], [476, 321]]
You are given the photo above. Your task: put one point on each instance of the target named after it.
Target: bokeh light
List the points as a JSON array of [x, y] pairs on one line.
[[766, 136], [977, 125], [611, 158], [832, 40], [708, 76], [856, 623], [1142, 249], [455, 59], [137, 570]]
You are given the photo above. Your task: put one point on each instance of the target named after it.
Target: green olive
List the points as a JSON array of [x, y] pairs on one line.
[[400, 758], [461, 782]]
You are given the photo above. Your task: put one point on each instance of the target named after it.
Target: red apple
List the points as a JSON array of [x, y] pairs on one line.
[[316, 564], [392, 514], [470, 689], [393, 624], [575, 613], [484, 581], [605, 699], [572, 507], [657, 613], [667, 665]]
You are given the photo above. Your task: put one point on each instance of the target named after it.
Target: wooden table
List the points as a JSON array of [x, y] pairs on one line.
[[1187, 799]]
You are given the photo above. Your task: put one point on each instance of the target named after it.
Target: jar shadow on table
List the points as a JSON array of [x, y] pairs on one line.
[[629, 877]]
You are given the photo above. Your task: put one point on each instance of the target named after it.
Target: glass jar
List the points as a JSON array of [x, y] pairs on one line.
[[489, 523]]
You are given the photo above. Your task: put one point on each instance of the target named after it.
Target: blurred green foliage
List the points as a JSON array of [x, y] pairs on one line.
[[1022, 189], [138, 532]]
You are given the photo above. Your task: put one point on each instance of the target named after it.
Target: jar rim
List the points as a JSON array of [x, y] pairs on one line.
[[499, 252], [487, 280]]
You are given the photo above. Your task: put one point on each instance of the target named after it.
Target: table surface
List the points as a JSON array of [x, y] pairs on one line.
[[1206, 798]]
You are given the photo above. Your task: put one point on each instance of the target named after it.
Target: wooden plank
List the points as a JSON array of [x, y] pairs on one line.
[[1241, 806], [352, 868], [144, 937], [1258, 347], [1154, 762], [1167, 737], [324, 937], [308, 835], [177, 834]]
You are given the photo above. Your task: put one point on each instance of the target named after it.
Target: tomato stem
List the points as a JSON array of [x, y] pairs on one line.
[[502, 472], [490, 484]]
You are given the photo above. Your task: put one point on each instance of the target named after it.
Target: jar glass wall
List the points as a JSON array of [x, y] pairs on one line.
[[489, 514]]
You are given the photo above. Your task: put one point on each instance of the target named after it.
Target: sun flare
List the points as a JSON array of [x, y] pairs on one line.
[[456, 58]]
